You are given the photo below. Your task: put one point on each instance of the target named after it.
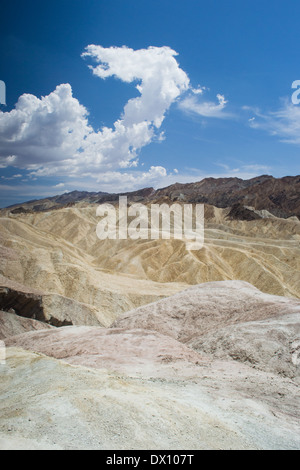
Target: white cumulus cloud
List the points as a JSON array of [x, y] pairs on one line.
[[160, 79], [43, 131]]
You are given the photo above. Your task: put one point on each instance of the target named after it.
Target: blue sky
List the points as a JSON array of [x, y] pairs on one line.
[[167, 91]]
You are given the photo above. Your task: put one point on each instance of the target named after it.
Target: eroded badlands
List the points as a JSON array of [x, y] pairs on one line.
[[145, 345]]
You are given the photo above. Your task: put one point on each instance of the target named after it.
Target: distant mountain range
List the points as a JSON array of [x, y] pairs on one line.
[[279, 196]]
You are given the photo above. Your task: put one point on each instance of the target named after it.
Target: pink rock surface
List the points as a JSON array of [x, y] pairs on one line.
[[131, 351], [207, 307]]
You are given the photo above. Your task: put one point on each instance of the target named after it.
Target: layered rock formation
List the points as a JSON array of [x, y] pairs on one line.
[[51, 309], [60, 250]]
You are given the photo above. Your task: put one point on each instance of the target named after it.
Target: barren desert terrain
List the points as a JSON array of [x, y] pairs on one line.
[[143, 344]]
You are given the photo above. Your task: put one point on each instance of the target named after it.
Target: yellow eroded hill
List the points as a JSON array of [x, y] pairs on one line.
[[59, 252]]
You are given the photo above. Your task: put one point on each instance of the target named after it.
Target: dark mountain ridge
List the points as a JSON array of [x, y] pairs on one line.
[[279, 196]]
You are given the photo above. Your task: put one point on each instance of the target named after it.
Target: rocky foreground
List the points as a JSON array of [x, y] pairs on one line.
[[213, 367]]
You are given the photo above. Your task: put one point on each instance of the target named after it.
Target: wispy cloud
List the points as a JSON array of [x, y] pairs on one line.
[[283, 123], [195, 103], [12, 178]]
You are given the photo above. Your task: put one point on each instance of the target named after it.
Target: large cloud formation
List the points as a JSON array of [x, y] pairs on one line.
[[43, 131], [52, 135], [160, 79]]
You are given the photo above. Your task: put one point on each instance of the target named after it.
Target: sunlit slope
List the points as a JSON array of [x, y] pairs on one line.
[[47, 261], [264, 252]]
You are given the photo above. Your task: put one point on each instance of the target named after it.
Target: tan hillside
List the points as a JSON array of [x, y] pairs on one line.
[[52, 264], [59, 252]]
